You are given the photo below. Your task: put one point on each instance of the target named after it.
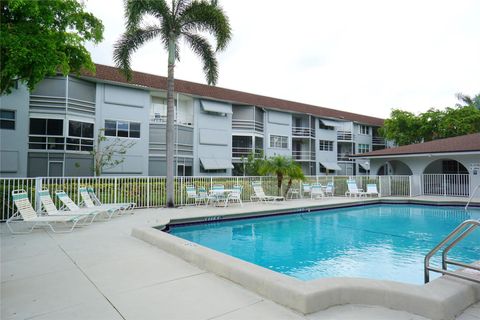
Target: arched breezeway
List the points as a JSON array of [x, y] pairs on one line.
[[446, 177], [394, 167]]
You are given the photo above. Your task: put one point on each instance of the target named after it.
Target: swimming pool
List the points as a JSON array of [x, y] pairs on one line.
[[382, 241]]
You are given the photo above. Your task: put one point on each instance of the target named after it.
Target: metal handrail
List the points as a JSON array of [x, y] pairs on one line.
[[471, 196], [460, 232]]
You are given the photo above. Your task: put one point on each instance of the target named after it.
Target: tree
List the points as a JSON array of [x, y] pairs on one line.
[[468, 100], [42, 38], [252, 164], [184, 19], [282, 167], [110, 155], [406, 128], [294, 172]]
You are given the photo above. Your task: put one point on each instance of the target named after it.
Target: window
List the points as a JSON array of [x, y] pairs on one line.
[[46, 134], [279, 142], [362, 148], [7, 119], [326, 145], [364, 129], [122, 129], [83, 130]]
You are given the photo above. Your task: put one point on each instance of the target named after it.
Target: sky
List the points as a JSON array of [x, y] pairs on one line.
[[365, 57]]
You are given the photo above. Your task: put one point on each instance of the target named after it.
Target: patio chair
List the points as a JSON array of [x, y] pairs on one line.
[[235, 195], [316, 191], [27, 214], [260, 194], [330, 189], [353, 190], [192, 195], [216, 194], [372, 190], [108, 209], [126, 206], [306, 189], [49, 208]]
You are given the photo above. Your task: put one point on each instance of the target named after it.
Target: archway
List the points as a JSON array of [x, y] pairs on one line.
[[446, 177], [394, 167]]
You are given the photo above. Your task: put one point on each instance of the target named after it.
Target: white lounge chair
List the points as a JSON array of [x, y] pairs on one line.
[[108, 209], [353, 190], [330, 189], [372, 190], [125, 206], [235, 195], [50, 209], [27, 214], [316, 191], [260, 194]]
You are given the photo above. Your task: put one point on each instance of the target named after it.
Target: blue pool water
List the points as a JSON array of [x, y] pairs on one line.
[[373, 241]]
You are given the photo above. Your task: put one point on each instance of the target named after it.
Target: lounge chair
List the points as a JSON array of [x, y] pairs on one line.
[[192, 195], [372, 190], [28, 215], [109, 209], [330, 189], [49, 208], [235, 195], [125, 206], [316, 191], [261, 196], [353, 190]]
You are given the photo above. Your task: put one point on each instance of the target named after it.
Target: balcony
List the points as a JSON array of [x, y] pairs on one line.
[[303, 132], [238, 152], [378, 140], [250, 125], [344, 157], [303, 155], [157, 118], [344, 136]]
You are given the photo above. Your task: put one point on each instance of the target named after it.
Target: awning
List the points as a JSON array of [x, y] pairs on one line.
[[217, 107], [330, 123], [331, 166], [214, 164], [365, 164]]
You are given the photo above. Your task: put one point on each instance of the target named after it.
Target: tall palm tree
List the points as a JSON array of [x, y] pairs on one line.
[[279, 166], [468, 100], [180, 19], [294, 172]]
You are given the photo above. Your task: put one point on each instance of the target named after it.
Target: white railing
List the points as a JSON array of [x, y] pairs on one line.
[[452, 185], [303, 155], [150, 192], [303, 132]]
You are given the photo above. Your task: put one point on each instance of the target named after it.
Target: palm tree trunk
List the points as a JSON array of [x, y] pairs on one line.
[[279, 184], [289, 185], [170, 122]]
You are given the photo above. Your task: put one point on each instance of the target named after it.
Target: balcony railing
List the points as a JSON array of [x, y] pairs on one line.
[[303, 132], [239, 124], [345, 136], [378, 140], [303, 155], [238, 152], [344, 157]]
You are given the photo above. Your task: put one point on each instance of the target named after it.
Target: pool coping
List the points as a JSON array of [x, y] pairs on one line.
[[443, 298]]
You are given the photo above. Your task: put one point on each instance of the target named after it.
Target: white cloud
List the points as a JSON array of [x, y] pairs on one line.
[[360, 56]]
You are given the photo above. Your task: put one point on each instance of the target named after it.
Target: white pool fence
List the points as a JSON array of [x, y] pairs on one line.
[[150, 192]]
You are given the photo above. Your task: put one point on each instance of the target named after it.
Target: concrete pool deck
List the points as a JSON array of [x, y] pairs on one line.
[[102, 272]]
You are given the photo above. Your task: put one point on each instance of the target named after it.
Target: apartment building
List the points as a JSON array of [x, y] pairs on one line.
[[52, 130]]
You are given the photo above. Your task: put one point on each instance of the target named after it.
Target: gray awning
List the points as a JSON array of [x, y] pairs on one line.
[[365, 164], [214, 164], [330, 123], [331, 165], [217, 107]]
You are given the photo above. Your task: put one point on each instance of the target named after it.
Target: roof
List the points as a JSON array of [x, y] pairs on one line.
[[467, 143], [108, 73]]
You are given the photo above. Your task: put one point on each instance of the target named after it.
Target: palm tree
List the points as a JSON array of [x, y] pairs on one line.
[[294, 172], [280, 166], [468, 100], [183, 19]]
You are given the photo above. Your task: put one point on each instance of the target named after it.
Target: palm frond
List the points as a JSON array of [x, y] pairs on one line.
[[128, 43], [207, 16], [135, 10], [200, 46]]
